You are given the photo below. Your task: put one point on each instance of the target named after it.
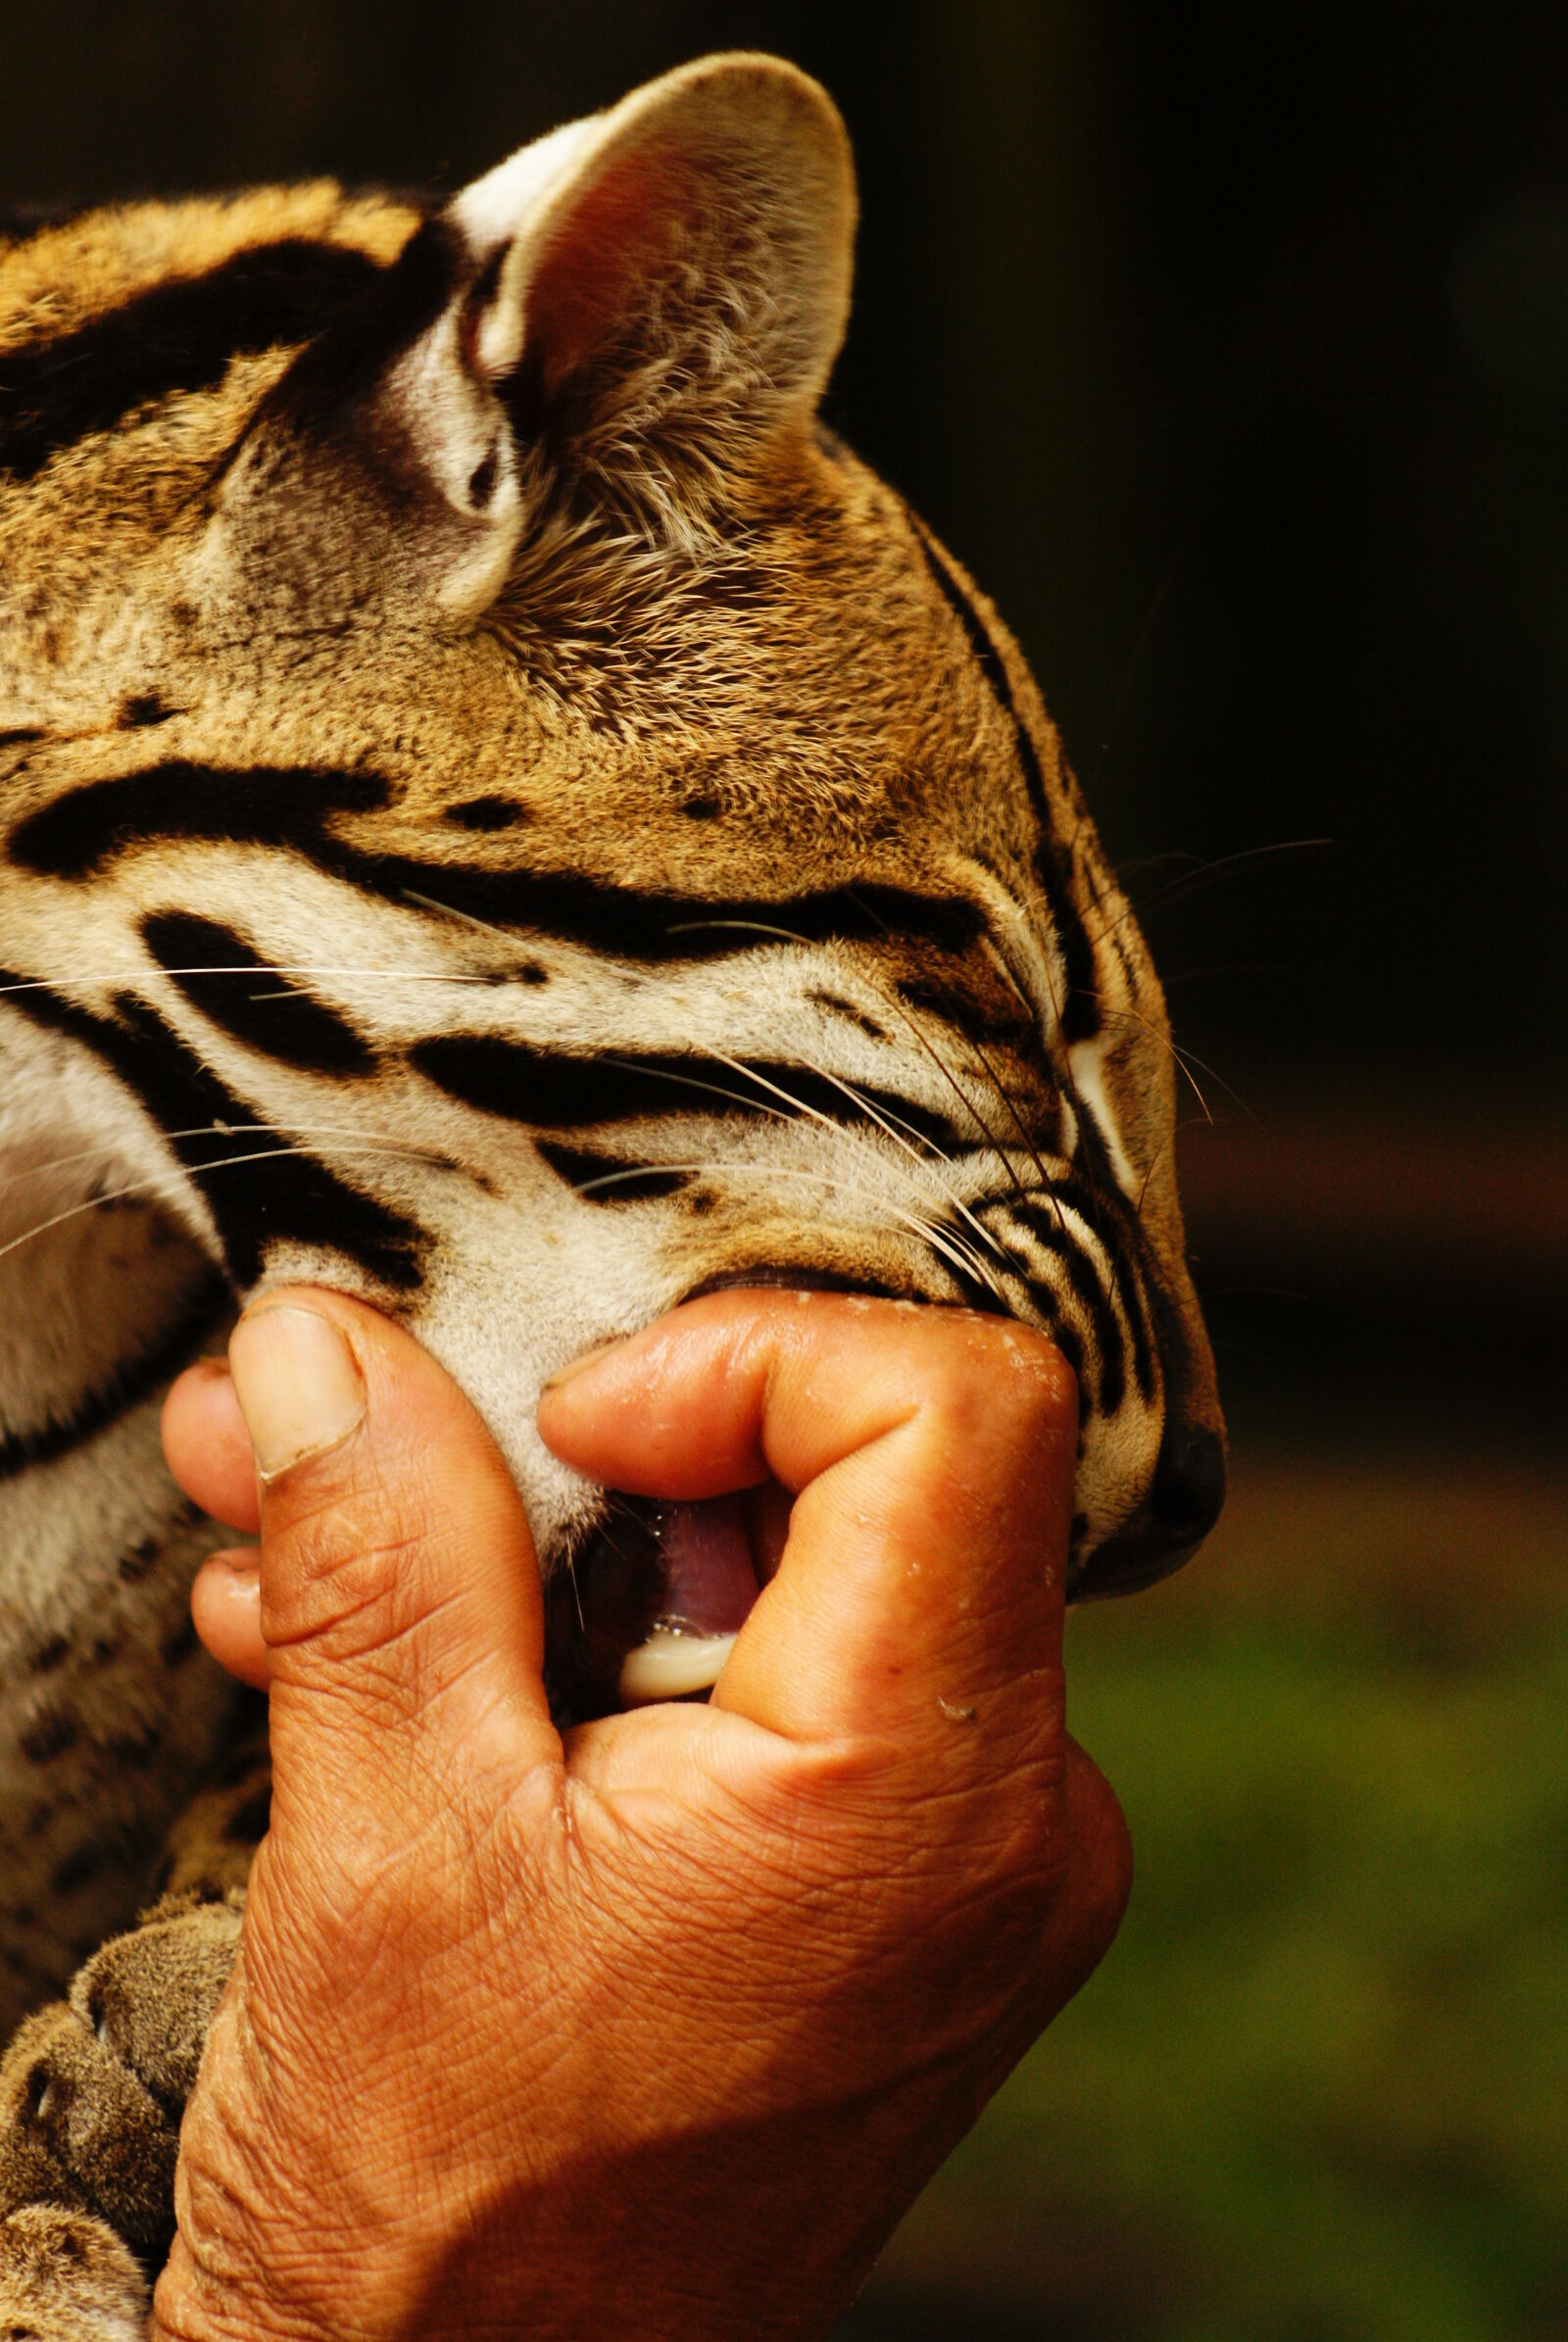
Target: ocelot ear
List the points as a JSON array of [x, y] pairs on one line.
[[626, 314]]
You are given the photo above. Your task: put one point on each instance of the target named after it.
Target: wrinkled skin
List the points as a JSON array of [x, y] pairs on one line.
[[771, 1951]]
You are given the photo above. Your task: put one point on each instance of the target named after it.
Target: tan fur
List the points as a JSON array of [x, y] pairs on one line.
[[562, 581]]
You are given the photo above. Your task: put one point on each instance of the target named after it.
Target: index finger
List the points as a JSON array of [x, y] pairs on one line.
[[933, 1452]]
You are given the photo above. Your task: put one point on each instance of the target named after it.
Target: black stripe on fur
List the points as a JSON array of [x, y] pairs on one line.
[[178, 335], [1045, 1224], [77, 834], [606, 1177], [1080, 1010], [126, 1387], [259, 1187], [293, 808], [551, 1091], [236, 991]]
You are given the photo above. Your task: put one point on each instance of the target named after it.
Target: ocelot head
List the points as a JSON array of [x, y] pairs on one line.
[[500, 812]]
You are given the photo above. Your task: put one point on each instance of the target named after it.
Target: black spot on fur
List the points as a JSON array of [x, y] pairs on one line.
[[78, 1869], [146, 708], [606, 1177], [20, 736], [233, 987], [46, 1656], [837, 1005], [136, 1749], [49, 1736], [487, 814], [178, 335], [701, 808], [180, 1644], [133, 1567]]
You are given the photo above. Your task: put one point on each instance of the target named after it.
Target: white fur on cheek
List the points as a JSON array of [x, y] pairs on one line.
[[1087, 1060]]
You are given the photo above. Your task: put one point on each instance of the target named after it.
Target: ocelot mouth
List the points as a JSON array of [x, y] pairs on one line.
[[648, 1608]]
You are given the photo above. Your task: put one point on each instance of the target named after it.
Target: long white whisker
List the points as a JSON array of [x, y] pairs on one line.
[[752, 1104], [450, 910], [792, 936], [858, 1099], [930, 1232], [146, 972], [1003, 1154], [236, 1129], [174, 1183]]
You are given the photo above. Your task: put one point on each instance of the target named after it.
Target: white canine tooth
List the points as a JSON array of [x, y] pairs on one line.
[[667, 1665]]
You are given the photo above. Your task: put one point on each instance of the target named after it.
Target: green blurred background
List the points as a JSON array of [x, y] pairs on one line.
[[1228, 345]]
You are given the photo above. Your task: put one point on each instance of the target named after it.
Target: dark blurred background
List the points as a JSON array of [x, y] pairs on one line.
[[1228, 346]]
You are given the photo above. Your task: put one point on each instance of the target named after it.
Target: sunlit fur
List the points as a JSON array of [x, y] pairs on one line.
[[515, 678]]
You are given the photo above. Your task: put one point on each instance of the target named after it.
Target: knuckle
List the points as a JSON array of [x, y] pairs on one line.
[[351, 1572], [1003, 1380]]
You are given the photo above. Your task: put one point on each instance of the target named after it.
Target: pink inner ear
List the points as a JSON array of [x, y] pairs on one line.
[[617, 234]]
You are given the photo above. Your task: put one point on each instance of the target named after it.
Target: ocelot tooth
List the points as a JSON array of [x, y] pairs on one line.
[[670, 1664]]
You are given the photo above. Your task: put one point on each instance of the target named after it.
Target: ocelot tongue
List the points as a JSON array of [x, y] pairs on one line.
[[709, 1576], [651, 1605], [710, 1586]]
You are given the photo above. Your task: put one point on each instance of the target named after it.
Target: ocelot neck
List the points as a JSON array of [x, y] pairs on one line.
[[108, 1710]]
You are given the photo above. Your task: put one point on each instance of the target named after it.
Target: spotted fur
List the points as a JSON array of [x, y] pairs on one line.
[[501, 813]]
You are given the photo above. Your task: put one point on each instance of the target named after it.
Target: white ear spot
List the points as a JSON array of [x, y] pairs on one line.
[[456, 426]]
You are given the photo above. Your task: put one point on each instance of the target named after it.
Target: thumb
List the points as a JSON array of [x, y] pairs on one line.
[[400, 1600]]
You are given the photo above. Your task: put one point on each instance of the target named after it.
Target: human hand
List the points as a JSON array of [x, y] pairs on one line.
[[658, 2032]]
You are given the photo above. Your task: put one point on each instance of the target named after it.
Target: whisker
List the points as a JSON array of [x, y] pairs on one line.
[[282, 969], [855, 1098], [236, 1129], [450, 910], [1186, 1058], [940, 1240], [1192, 882], [890, 999], [798, 1109], [174, 1183], [788, 935]]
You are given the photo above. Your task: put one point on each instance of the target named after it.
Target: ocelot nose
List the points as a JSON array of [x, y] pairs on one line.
[[1189, 1483]]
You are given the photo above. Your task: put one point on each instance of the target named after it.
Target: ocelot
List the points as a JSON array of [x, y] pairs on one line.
[[502, 813]]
